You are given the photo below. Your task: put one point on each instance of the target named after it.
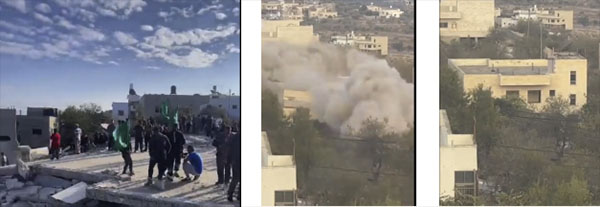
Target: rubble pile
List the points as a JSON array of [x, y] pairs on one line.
[[35, 192]]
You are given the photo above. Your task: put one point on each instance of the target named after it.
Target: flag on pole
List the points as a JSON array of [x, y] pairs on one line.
[[122, 140], [172, 116]]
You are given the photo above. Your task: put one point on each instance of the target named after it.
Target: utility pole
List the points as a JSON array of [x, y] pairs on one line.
[[541, 45]]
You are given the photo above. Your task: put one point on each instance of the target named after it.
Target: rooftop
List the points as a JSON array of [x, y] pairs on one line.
[[516, 70]]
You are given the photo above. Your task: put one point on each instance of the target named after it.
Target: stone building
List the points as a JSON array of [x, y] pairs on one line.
[[470, 19]]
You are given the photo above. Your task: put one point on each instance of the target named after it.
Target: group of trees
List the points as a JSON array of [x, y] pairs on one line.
[[548, 156], [89, 116], [377, 169]]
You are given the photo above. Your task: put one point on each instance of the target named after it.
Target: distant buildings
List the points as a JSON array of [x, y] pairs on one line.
[[120, 111], [288, 31], [550, 18], [533, 80], [466, 19], [281, 10], [150, 105], [35, 128], [458, 161], [278, 177], [384, 12], [371, 44]]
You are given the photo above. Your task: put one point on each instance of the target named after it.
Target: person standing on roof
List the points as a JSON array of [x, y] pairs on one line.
[[78, 133], [158, 150], [55, 145]]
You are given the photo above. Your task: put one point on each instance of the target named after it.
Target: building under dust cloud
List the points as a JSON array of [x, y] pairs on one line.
[[347, 86]]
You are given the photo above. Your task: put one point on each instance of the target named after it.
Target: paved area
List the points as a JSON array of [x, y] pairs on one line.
[[202, 191]]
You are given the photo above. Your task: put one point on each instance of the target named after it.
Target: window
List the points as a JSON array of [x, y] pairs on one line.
[[234, 106], [36, 131], [552, 93], [220, 105], [121, 113], [465, 183], [443, 24], [534, 96], [572, 100], [156, 109], [573, 77], [512, 94], [4, 138], [285, 198]]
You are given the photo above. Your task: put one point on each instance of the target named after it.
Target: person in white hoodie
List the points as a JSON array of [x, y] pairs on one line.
[[78, 133]]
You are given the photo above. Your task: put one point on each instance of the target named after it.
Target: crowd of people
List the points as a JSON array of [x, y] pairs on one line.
[[165, 144]]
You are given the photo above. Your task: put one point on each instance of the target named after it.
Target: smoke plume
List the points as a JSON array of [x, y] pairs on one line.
[[347, 86]]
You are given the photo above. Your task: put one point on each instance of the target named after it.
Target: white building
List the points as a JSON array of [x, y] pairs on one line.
[[120, 111], [458, 161], [505, 22], [278, 177], [390, 13], [231, 104]]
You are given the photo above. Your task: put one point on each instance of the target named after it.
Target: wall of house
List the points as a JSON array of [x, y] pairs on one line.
[[455, 158], [288, 31], [116, 107], [26, 125], [8, 118], [466, 18]]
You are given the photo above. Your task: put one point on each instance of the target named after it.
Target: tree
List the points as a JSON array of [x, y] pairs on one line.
[[305, 139], [272, 113], [485, 119]]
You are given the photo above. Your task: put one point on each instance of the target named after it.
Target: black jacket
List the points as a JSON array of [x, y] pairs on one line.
[[177, 140], [159, 146]]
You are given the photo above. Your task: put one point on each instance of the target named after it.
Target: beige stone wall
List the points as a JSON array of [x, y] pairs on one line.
[[378, 44], [466, 18], [560, 18], [288, 31]]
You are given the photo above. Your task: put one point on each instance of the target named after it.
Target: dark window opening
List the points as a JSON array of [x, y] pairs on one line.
[[573, 77], [36, 131], [443, 24], [572, 100], [534, 96], [234, 106], [121, 113], [4, 138], [552, 93], [285, 198]]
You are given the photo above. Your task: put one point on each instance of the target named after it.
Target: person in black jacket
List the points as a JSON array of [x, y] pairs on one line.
[[177, 140], [138, 131], [158, 149], [236, 159], [221, 143]]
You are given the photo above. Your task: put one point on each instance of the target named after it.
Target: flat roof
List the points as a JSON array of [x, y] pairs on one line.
[[513, 70]]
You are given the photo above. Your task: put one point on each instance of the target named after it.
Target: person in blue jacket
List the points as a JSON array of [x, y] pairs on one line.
[[192, 164]]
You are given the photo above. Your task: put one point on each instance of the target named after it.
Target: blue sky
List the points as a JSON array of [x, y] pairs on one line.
[[69, 52]]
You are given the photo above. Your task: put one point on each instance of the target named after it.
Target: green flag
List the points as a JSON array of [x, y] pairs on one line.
[[172, 116], [121, 136]]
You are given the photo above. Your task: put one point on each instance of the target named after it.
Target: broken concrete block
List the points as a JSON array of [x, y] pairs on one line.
[[22, 169], [45, 193], [72, 194], [13, 183], [51, 181], [28, 191], [29, 183]]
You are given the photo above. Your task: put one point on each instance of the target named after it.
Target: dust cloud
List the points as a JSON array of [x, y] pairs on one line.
[[347, 86]]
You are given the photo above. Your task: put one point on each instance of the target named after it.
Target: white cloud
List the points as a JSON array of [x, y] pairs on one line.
[[236, 11], [231, 48], [147, 28], [5, 35], [126, 6], [17, 28], [208, 8], [152, 67], [165, 37], [64, 22], [185, 12], [195, 59], [17, 4], [90, 34], [44, 8], [113, 62], [124, 38], [42, 18], [220, 15], [114, 8]]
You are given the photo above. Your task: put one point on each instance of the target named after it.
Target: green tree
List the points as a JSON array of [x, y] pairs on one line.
[[572, 193], [272, 112]]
